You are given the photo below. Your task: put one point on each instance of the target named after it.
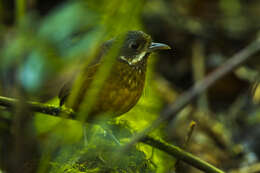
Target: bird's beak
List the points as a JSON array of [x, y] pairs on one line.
[[157, 46]]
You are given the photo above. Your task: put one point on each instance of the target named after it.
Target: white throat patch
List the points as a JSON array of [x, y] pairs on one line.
[[134, 60]]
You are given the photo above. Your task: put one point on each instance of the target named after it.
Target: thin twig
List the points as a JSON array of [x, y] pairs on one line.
[[200, 87], [186, 143], [172, 150]]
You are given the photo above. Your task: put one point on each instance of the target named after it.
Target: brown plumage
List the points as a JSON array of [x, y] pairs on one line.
[[124, 85]]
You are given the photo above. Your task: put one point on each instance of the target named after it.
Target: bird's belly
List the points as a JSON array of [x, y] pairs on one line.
[[118, 98]]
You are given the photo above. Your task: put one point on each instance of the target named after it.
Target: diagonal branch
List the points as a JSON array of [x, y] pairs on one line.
[[181, 155], [186, 98]]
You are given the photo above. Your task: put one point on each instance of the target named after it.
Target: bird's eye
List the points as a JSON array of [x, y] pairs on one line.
[[134, 46]]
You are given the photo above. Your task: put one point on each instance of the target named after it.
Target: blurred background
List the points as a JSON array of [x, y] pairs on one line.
[[40, 40]]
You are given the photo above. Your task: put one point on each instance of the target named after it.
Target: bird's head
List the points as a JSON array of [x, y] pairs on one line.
[[137, 46]]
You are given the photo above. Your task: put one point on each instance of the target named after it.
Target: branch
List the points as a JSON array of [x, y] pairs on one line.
[[10, 103], [172, 150], [200, 87], [181, 155]]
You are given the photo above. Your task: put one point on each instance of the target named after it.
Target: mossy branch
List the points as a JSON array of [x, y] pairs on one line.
[[10, 103], [181, 154]]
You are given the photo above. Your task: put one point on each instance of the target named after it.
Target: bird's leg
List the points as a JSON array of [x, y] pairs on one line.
[[84, 132], [108, 131], [111, 135], [87, 134]]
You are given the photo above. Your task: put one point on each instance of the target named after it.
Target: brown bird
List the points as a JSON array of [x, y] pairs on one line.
[[124, 85]]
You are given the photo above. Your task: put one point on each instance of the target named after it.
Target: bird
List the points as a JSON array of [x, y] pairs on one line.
[[124, 84]]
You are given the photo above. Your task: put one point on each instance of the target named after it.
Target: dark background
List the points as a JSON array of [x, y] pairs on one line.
[[203, 35]]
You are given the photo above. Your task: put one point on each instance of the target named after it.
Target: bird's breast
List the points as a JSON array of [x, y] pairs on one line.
[[121, 90]]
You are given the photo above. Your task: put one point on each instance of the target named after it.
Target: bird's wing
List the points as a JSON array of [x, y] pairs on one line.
[[88, 76], [88, 72]]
